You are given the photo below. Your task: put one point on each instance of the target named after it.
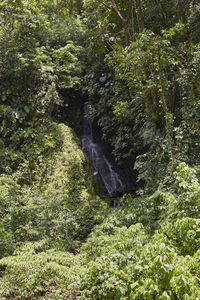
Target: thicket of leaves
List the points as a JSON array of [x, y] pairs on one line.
[[145, 96], [38, 63], [33, 273], [149, 247]]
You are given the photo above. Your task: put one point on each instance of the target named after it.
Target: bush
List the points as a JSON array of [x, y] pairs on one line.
[[34, 274], [9, 197]]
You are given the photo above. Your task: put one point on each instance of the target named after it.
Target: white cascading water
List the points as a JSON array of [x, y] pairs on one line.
[[99, 161]]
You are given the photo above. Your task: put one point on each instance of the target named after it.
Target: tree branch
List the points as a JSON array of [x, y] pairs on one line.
[[105, 4], [123, 21]]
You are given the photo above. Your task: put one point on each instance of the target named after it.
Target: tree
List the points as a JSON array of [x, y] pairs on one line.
[[124, 21]]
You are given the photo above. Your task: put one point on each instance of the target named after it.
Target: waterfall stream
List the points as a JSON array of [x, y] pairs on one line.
[[101, 163]]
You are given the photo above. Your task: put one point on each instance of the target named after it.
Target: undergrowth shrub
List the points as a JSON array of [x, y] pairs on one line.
[[10, 196], [36, 274], [157, 258]]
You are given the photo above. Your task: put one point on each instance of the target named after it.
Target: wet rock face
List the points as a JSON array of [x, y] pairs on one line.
[[98, 184], [115, 184], [99, 160]]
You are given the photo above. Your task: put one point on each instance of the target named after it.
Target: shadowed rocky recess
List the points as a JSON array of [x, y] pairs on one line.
[[105, 169]]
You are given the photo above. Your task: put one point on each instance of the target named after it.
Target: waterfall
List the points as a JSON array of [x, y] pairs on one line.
[[99, 160]]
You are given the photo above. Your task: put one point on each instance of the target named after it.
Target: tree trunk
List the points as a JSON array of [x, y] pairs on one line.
[[141, 16], [123, 21], [182, 11]]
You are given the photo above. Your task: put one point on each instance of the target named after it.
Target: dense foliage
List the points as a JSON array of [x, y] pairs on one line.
[[137, 63]]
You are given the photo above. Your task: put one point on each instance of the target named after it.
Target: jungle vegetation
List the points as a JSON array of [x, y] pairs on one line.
[[137, 63]]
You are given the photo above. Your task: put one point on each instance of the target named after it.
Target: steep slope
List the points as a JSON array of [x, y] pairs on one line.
[[58, 202]]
